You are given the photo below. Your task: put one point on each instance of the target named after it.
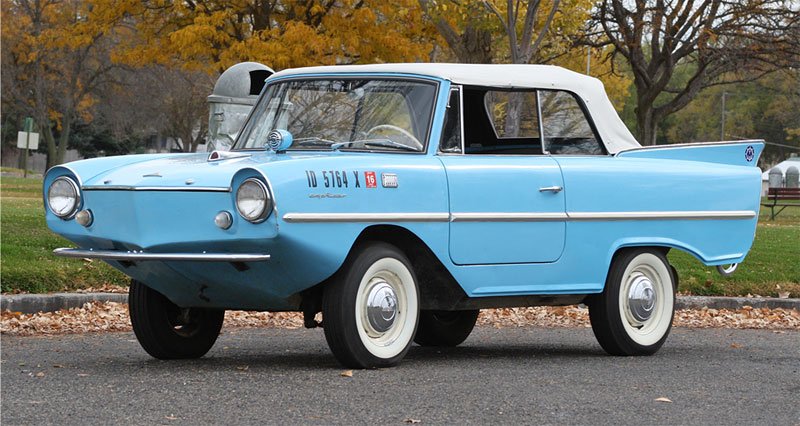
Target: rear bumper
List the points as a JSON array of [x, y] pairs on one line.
[[138, 256]]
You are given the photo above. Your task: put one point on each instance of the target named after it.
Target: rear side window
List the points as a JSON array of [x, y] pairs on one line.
[[565, 127], [513, 114]]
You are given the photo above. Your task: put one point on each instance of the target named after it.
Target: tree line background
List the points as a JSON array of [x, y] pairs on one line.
[[107, 76]]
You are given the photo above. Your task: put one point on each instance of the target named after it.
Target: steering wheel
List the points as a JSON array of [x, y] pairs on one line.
[[414, 142]]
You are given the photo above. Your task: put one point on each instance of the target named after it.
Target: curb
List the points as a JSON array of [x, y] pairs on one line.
[[699, 302], [33, 303]]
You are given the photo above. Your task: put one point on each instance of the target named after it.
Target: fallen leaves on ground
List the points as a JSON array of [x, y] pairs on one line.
[[111, 316], [347, 373], [663, 399], [105, 288]]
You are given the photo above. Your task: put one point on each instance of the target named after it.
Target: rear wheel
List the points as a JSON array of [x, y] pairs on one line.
[[167, 331], [370, 310], [633, 315], [445, 328]]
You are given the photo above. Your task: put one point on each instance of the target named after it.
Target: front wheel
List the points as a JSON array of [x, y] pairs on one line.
[[167, 331], [371, 308], [633, 315]]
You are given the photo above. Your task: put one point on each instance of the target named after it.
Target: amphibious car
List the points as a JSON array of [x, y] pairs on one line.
[[399, 199]]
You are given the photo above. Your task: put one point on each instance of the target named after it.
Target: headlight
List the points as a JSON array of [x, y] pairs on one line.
[[253, 201], [63, 197]]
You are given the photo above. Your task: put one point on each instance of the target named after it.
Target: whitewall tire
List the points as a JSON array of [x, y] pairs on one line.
[[371, 308], [633, 315]]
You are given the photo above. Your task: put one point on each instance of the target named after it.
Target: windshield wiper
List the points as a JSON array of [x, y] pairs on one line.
[[378, 142], [313, 140]]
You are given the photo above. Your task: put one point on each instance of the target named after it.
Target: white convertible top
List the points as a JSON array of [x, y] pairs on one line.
[[613, 131]]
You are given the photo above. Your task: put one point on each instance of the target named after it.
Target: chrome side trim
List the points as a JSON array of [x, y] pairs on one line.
[[155, 188], [662, 215], [508, 217], [688, 145], [365, 217], [137, 256], [519, 217]]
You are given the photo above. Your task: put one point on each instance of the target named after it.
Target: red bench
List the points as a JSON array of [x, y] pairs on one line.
[[782, 197]]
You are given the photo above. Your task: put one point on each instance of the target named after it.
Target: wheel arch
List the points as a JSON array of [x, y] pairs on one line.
[[662, 247], [437, 286]]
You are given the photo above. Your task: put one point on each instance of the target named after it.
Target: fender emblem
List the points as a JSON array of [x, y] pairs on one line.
[[389, 180]]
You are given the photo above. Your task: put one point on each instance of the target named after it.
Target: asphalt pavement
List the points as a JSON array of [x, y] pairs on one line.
[[50, 302], [510, 375]]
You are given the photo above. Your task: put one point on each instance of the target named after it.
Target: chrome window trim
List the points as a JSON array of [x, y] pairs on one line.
[[519, 217], [541, 123], [436, 81], [156, 188], [453, 88], [461, 117], [134, 255]]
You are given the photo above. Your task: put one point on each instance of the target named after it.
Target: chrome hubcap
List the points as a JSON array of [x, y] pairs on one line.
[[381, 307], [641, 298]]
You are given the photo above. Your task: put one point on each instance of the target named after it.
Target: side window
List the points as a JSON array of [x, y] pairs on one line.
[[451, 128], [500, 122], [565, 127], [513, 114]]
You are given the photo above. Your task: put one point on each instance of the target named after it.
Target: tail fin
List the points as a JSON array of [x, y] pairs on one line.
[[737, 153]]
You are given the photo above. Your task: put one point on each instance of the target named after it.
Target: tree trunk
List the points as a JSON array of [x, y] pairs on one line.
[[47, 133], [513, 115], [63, 140], [646, 124], [477, 46]]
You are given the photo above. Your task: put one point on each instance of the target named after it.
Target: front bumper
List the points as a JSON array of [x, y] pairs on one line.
[[138, 256]]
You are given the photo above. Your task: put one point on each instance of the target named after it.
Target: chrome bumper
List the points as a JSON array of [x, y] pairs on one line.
[[138, 256]]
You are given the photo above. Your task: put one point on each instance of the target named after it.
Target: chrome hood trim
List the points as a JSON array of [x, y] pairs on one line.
[[155, 188]]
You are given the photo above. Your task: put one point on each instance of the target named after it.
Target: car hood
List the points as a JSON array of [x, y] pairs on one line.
[[172, 170]]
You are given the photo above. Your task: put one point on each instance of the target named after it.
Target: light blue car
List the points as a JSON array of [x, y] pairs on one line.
[[400, 199]]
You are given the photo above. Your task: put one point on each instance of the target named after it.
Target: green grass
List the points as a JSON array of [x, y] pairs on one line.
[[26, 260], [27, 264]]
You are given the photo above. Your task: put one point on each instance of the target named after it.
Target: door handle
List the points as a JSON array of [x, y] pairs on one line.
[[553, 189]]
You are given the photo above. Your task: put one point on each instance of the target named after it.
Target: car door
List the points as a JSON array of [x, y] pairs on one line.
[[507, 202]]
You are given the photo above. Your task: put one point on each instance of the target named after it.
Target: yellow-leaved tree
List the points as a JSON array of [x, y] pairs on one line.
[[213, 35], [55, 53], [522, 32]]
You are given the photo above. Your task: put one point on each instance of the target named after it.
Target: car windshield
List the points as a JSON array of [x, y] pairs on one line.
[[331, 114]]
